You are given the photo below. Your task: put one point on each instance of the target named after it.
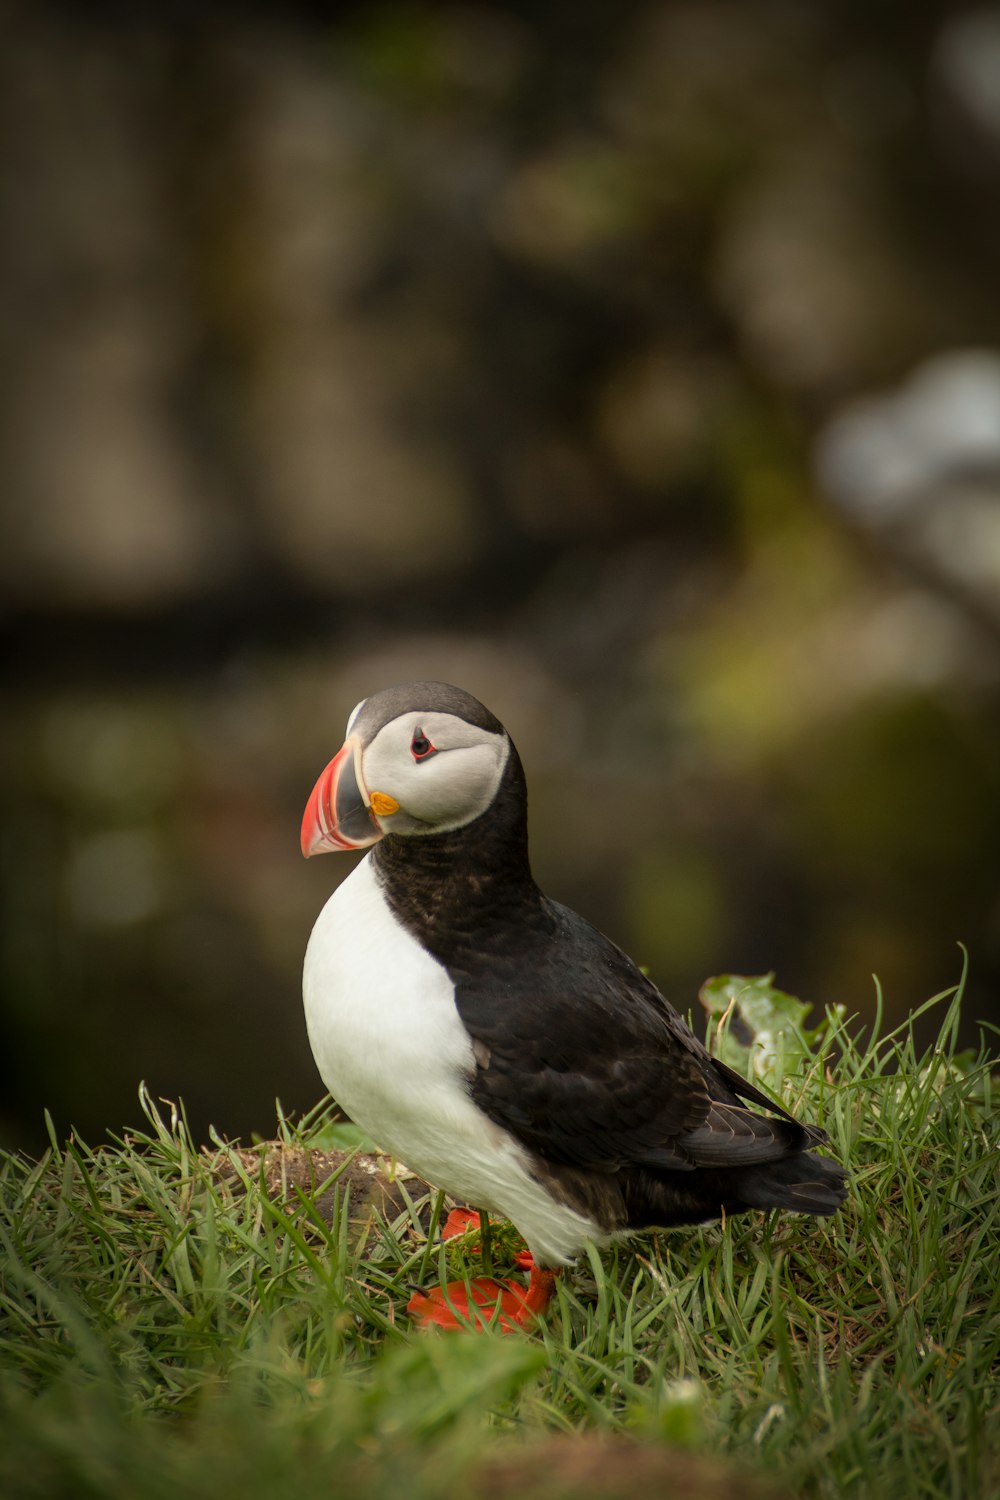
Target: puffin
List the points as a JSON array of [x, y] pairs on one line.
[[497, 1043]]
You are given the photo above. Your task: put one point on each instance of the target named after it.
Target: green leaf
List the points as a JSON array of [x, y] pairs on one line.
[[758, 1029]]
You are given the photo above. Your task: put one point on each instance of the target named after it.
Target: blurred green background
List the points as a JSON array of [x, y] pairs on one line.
[[636, 367]]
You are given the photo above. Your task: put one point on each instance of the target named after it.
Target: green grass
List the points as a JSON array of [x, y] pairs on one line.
[[167, 1329]]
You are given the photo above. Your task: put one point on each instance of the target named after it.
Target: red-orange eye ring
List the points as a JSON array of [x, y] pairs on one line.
[[421, 747]]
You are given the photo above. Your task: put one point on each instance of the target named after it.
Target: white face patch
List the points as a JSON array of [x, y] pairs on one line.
[[441, 788]]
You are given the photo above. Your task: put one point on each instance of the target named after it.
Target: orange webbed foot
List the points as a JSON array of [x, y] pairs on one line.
[[484, 1302]]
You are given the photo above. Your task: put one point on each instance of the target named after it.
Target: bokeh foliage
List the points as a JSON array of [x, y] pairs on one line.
[[496, 344]]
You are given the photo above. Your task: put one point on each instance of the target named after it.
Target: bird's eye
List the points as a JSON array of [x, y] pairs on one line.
[[421, 747]]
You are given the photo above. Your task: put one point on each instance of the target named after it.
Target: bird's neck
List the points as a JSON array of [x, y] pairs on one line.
[[461, 891]]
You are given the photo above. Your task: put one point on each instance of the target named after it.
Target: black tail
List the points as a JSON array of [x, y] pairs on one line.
[[804, 1183], [801, 1182]]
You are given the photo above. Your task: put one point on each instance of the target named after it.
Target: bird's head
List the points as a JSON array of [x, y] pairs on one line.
[[425, 758]]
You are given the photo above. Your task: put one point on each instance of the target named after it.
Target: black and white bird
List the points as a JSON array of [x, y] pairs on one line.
[[493, 1039]]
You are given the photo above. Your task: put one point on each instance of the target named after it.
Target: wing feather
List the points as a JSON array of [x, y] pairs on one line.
[[609, 1075]]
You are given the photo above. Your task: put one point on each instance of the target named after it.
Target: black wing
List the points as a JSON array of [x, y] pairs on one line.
[[588, 1065]]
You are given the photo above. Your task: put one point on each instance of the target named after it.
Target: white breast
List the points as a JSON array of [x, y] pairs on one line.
[[391, 1048]]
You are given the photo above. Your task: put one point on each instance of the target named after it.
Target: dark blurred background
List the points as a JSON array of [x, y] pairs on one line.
[[635, 366]]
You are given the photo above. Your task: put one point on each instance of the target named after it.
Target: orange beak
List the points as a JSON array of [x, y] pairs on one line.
[[339, 814]]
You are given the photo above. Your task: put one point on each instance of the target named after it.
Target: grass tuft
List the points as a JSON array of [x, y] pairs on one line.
[[177, 1319]]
